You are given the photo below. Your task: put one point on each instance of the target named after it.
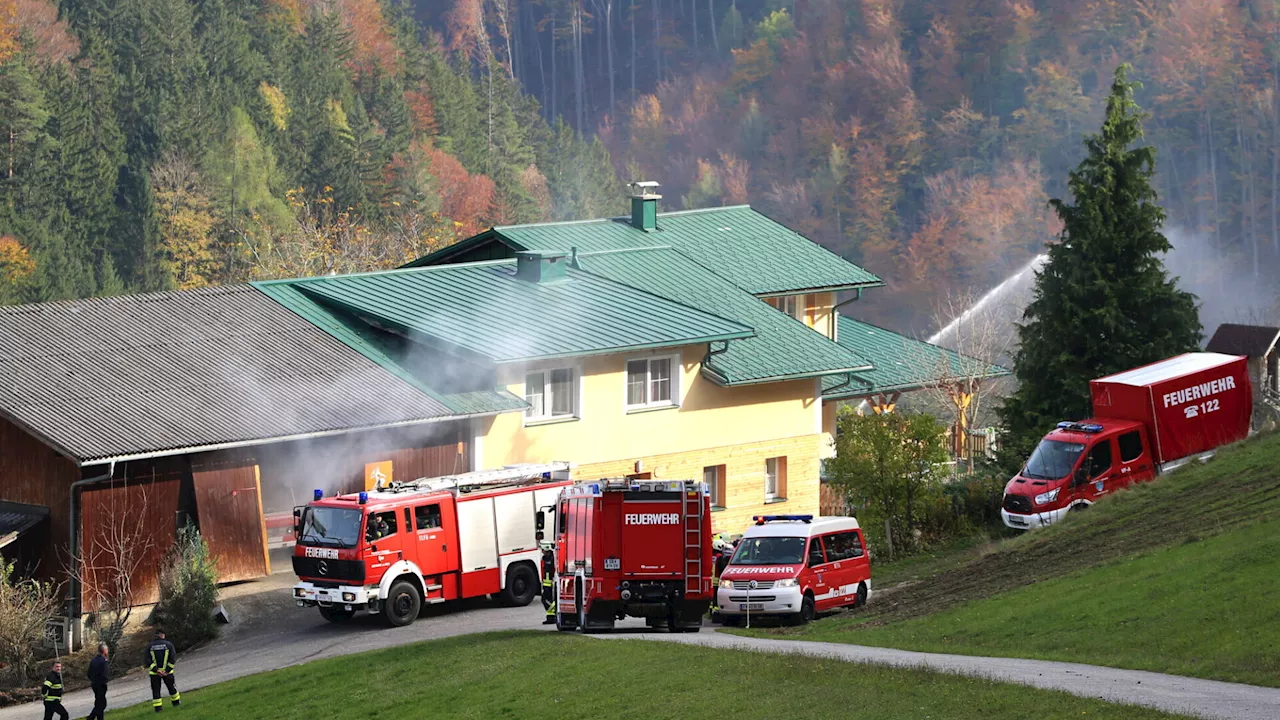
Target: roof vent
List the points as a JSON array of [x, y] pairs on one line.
[[644, 205], [541, 267]]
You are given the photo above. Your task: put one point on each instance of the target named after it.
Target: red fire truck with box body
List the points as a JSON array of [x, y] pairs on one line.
[[427, 541], [638, 548], [1146, 420]]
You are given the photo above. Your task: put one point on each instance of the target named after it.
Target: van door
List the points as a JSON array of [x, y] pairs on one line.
[[383, 540], [815, 569], [1095, 476], [1135, 459], [433, 551], [843, 549]]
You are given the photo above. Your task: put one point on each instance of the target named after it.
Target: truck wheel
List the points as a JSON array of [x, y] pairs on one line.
[[807, 611], [402, 604], [862, 595], [522, 585], [335, 614]]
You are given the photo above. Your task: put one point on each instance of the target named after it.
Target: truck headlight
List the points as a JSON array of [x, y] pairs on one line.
[[1048, 497], [349, 597], [726, 584], [786, 582]]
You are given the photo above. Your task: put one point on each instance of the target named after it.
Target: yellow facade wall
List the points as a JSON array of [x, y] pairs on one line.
[[738, 427]]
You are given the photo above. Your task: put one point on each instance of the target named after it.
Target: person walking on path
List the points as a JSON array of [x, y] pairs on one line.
[[99, 673], [162, 656], [52, 692]]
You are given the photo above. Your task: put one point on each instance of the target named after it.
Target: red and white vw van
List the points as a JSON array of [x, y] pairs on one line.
[[794, 566]]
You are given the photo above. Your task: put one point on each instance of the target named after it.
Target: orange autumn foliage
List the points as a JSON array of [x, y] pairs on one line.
[[9, 29], [371, 36], [466, 199], [421, 111], [54, 42], [16, 264]]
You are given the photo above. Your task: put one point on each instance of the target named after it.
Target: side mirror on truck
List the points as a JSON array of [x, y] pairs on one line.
[[541, 522], [297, 523]]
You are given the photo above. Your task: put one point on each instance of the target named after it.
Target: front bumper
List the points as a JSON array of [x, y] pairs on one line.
[[350, 597], [1031, 521], [774, 601]]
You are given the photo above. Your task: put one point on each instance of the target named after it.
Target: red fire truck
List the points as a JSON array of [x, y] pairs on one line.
[[638, 548], [1146, 420], [392, 550]]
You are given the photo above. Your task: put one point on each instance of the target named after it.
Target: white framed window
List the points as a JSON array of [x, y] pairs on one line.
[[794, 305], [713, 476], [552, 394], [653, 382], [775, 479]]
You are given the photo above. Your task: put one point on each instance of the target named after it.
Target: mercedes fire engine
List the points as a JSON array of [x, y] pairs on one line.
[[637, 548], [398, 547]]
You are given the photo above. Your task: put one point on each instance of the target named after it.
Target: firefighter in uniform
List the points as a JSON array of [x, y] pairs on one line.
[[52, 692], [161, 657], [548, 585], [717, 550]]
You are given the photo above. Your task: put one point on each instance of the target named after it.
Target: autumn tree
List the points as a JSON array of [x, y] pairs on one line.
[[186, 222], [1103, 301]]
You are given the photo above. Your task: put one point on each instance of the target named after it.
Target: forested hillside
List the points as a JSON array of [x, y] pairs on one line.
[[920, 137], [155, 144]]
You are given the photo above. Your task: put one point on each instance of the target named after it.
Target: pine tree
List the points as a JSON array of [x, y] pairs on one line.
[[1103, 302]]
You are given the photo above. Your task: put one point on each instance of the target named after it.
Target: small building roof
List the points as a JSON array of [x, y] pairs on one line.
[[738, 243], [173, 372], [900, 363], [484, 309], [782, 348], [1250, 340], [17, 518]]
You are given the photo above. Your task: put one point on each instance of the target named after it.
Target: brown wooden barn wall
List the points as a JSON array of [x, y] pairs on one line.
[[229, 505], [144, 506], [31, 472]]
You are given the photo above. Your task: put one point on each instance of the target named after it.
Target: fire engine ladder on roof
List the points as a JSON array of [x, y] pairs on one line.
[[691, 516], [504, 476]]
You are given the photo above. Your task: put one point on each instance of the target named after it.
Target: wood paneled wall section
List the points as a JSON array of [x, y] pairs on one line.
[[229, 504], [31, 472], [144, 508]]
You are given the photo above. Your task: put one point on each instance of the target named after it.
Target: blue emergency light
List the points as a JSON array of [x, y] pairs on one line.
[[319, 494], [762, 519], [1068, 425], [364, 497]]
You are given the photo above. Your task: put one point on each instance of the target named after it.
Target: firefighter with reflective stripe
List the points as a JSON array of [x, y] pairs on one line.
[[161, 657], [52, 692], [548, 585], [720, 549]]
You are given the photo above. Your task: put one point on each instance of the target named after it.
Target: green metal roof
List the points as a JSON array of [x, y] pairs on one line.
[[387, 352], [900, 363], [783, 347], [738, 243], [483, 309]]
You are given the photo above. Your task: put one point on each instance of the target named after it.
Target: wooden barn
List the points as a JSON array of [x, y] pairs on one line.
[[123, 418]]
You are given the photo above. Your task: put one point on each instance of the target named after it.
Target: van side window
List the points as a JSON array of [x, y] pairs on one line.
[[427, 517], [855, 541], [1100, 458], [815, 552], [1130, 446], [842, 546]]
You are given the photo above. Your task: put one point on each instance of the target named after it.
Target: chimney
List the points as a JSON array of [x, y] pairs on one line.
[[644, 205], [540, 266]]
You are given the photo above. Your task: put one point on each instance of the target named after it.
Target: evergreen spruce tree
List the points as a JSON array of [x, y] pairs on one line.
[[1103, 302]]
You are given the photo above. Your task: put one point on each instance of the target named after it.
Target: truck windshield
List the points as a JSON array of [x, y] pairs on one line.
[[769, 551], [332, 527], [1052, 460]]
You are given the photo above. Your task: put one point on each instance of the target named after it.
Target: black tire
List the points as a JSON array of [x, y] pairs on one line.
[[730, 620], [1078, 507], [522, 585], [335, 615], [862, 595], [560, 626], [807, 610], [402, 604]]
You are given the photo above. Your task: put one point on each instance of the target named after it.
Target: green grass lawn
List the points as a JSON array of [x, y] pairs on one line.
[[1174, 576], [531, 674]]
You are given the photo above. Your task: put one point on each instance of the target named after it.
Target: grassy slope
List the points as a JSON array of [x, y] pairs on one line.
[[1174, 576], [531, 674]]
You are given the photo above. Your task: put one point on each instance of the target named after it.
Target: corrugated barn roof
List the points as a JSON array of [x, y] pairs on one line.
[[171, 372]]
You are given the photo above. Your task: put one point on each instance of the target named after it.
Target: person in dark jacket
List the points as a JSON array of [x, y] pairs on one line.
[[161, 657], [52, 692], [548, 586], [99, 673]]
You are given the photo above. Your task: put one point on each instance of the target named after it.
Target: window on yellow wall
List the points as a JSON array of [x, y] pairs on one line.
[[713, 476], [775, 479], [551, 394], [652, 382]]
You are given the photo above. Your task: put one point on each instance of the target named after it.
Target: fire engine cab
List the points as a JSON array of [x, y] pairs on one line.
[[398, 547], [794, 566], [638, 548]]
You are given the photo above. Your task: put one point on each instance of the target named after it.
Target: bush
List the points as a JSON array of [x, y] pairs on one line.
[[188, 591], [25, 608]]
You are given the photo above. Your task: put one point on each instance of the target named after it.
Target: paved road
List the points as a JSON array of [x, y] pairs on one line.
[[268, 632]]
